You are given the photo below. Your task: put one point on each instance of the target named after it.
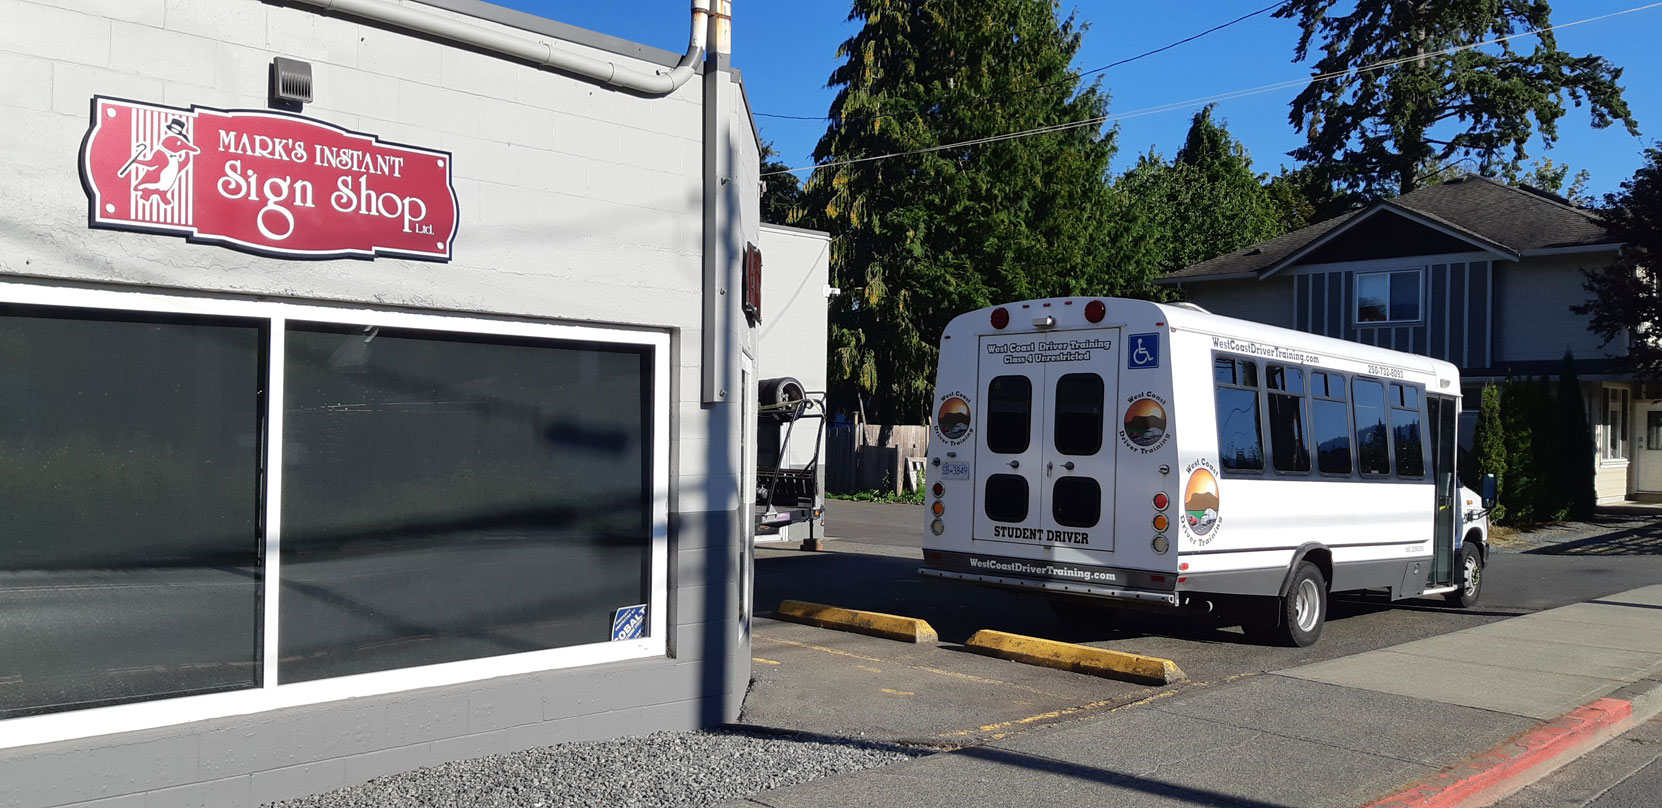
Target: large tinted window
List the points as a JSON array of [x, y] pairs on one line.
[[1373, 447], [1405, 431], [1079, 407], [1330, 422], [449, 497], [1240, 445], [129, 506], [1289, 446], [1009, 414]]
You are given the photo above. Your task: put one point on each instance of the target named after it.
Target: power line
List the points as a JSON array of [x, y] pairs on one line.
[[1266, 88], [1127, 60]]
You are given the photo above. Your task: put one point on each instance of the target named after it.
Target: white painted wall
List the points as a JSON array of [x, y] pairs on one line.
[[795, 319]]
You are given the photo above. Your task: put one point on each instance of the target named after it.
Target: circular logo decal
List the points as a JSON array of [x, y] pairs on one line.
[[953, 419], [1200, 502], [1145, 422]]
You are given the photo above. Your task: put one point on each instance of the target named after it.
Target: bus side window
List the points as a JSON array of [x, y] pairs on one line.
[[1373, 445], [1330, 422], [1289, 446], [1009, 414], [1405, 430], [1240, 442]]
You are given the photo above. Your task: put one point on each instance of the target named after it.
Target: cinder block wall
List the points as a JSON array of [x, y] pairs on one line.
[[578, 203]]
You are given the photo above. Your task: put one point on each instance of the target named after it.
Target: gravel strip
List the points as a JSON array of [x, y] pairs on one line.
[[661, 769], [1612, 529]]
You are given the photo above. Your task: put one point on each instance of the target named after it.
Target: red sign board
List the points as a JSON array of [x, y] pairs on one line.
[[265, 182]]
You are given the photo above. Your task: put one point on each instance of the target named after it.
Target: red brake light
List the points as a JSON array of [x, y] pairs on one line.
[[1095, 311], [1001, 318], [1161, 501], [939, 489]]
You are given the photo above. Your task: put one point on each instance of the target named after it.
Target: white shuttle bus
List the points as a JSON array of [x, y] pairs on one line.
[[1143, 454]]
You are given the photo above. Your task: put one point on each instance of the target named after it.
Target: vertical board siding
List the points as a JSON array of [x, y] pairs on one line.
[[1457, 308], [1318, 300], [1301, 302], [1336, 317], [1477, 315], [1437, 321]]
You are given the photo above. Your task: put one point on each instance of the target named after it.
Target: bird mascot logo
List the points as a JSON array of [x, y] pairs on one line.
[[159, 167]]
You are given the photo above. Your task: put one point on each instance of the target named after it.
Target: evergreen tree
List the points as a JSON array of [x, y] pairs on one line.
[[1575, 445], [1205, 203], [781, 192], [1401, 103], [1626, 302], [1490, 444], [920, 238]]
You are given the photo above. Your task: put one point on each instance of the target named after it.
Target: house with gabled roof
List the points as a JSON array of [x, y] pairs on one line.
[[1472, 271]]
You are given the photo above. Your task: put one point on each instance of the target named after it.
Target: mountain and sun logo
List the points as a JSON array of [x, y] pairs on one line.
[[1200, 501], [953, 419]]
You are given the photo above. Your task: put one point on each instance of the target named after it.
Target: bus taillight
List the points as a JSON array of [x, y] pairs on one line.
[[1000, 318], [1096, 310]]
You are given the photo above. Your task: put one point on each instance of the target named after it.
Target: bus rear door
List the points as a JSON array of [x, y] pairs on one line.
[[1045, 460]]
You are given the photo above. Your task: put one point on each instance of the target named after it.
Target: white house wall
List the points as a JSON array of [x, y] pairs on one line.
[[577, 203], [795, 320]]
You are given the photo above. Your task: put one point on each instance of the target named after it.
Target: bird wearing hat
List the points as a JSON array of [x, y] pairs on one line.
[[158, 171]]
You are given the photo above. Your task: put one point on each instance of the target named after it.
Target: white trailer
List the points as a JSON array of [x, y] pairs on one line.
[[1122, 452]]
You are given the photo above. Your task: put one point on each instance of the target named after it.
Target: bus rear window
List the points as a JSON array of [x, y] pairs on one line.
[[1006, 498], [1009, 414], [1079, 405]]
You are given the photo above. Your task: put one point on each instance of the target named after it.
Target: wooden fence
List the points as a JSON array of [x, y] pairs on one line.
[[874, 458]]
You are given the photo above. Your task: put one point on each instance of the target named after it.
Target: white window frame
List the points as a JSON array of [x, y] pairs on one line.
[[272, 694], [1617, 399], [1419, 287]]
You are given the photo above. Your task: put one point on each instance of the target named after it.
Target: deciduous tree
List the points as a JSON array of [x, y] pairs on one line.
[[1626, 304]]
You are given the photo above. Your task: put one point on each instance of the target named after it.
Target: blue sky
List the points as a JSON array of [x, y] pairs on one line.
[[788, 48]]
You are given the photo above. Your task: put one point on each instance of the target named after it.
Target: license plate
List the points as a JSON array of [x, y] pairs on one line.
[[955, 470]]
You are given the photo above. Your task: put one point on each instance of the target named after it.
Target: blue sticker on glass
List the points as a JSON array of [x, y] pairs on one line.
[[1142, 351], [629, 623]]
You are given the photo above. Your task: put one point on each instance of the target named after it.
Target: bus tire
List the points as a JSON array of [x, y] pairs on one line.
[[1302, 612], [1468, 576]]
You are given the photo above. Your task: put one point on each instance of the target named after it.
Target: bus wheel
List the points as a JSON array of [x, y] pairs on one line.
[[1303, 612], [1469, 578]]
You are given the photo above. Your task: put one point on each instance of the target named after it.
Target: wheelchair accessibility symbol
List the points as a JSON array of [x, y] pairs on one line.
[[1143, 351]]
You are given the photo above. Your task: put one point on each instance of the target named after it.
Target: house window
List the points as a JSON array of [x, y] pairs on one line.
[[1388, 297], [1614, 423]]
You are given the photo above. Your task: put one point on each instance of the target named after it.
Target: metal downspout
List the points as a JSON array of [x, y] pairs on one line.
[[536, 51]]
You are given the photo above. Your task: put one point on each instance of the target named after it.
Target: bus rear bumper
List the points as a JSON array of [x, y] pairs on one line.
[[1142, 596]]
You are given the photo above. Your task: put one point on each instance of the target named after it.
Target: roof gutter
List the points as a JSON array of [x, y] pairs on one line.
[[1611, 247], [1237, 276], [536, 51]]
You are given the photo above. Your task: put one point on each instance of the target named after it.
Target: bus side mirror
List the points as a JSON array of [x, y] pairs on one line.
[[1488, 491]]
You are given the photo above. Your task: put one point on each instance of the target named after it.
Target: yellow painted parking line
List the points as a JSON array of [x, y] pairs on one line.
[[763, 661], [877, 624], [1078, 658], [898, 692]]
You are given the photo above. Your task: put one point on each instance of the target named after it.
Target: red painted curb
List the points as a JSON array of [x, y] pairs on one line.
[[1512, 764]]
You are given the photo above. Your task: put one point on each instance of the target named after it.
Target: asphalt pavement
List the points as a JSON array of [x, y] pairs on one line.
[[1393, 693]]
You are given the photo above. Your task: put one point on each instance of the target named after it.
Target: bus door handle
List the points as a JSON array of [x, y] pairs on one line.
[[1015, 464], [1068, 465]]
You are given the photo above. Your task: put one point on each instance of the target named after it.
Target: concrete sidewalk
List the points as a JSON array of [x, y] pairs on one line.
[[1338, 733]]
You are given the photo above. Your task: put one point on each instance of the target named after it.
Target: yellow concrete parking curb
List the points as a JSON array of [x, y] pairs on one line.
[[1077, 658], [894, 627]]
